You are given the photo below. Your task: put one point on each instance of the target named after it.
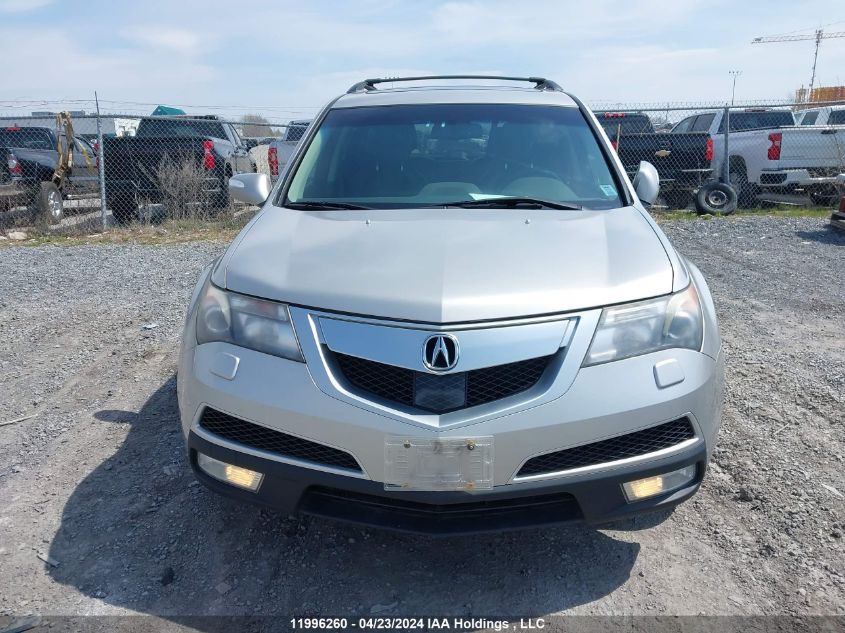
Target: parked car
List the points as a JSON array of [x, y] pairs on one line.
[[281, 149], [132, 163], [829, 115], [482, 333], [769, 153], [28, 159], [682, 160], [837, 218]]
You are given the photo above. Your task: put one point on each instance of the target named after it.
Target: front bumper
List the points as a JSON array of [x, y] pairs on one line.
[[796, 178], [594, 498], [602, 402], [572, 407]]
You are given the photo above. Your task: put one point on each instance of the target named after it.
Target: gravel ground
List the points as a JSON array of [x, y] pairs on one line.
[[100, 513]]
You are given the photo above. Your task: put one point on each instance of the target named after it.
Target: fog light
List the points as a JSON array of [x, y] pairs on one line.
[[650, 486], [235, 475]]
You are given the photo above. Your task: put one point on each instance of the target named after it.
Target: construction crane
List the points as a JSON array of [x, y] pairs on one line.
[[818, 36]]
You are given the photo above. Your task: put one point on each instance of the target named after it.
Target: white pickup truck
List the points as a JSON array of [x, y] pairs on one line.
[[768, 152], [828, 115], [281, 150]]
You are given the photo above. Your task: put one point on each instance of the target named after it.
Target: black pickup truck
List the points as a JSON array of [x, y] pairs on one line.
[[134, 166], [28, 159], [682, 160]]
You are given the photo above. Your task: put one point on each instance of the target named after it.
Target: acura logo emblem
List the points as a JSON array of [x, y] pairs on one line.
[[440, 352]]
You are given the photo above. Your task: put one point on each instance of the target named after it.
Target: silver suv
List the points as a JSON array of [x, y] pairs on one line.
[[452, 314]]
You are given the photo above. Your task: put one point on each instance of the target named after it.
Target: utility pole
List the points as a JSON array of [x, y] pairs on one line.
[[734, 74], [101, 167]]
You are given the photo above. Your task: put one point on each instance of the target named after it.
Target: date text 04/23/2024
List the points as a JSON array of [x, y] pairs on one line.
[[410, 623]]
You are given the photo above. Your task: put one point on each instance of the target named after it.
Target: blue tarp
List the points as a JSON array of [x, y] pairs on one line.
[[164, 110]]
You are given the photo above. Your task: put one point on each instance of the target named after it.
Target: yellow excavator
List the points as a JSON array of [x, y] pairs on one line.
[[39, 167], [51, 198], [64, 147]]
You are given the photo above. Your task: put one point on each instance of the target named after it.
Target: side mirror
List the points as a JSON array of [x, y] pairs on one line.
[[646, 183], [250, 188]]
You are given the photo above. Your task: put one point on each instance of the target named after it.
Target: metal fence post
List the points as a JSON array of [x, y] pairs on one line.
[[101, 167], [726, 168]]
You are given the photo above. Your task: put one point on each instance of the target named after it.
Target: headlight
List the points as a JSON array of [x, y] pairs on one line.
[[647, 326], [253, 323]]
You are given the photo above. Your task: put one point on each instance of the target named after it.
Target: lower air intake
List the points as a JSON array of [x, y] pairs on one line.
[[260, 437]]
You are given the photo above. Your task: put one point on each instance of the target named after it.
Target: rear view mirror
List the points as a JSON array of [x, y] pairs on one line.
[[646, 183], [250, 188]]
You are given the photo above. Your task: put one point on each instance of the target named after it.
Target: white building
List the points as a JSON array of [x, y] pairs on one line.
[[84, 124]]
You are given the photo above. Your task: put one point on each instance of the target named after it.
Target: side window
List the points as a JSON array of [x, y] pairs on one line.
[[683, 126], [83, 146], [703, 122], [837, 117], [235, 136], [810, 117]]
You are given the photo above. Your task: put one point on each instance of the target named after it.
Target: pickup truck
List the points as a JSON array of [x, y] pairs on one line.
[[280, 150], [767, 152], [133, 164], [28, 159], [682, 160], [828, 115]]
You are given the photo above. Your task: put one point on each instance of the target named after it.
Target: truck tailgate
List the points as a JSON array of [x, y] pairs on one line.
[[671, 154], [138, 160]]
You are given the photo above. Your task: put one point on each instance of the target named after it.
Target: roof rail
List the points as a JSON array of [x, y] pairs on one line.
[[370, 84]]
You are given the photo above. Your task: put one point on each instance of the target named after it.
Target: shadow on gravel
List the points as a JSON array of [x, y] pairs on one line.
[[139, 533], [826, 235]]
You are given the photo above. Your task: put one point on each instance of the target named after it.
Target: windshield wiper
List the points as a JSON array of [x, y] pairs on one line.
[[316, 205], [510, 203]]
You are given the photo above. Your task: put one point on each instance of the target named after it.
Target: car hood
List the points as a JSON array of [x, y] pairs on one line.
[[449, 265]]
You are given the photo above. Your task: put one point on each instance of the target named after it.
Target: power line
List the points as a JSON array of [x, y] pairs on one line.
[[150, 103]]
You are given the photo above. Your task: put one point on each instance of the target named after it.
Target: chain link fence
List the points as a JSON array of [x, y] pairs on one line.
[[119, 169], [97, 172], [769, 153]]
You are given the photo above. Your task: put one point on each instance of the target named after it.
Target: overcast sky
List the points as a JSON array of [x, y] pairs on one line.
[[285, 59]]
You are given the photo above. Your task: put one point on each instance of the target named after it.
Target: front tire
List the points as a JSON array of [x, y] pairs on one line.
[[716, 198], [50, 204], [746, 195]]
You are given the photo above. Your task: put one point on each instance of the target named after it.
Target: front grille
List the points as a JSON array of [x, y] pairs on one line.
[[441, 393], [622, 447], [262, 438]]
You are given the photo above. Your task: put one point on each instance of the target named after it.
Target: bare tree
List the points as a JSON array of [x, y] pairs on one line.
[[181, 184], [256, 125]]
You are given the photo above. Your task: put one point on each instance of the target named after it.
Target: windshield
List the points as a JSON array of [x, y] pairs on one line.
[[26, 137], [188, 128], [421, 155], [741, 121]]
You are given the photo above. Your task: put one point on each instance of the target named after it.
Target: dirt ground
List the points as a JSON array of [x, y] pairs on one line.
[[100, 513]]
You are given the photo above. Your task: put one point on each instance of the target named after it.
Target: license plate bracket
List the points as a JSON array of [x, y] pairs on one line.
[[446, 463]]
